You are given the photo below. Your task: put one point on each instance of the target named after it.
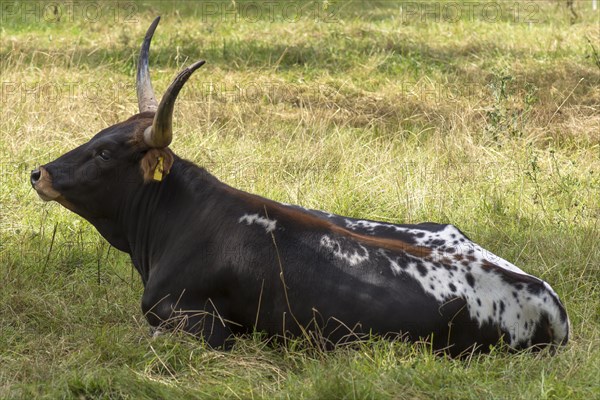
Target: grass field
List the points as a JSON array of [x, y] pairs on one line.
[[485, 115]]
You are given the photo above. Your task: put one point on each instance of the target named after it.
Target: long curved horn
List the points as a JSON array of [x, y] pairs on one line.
[[145, 93], [160, 133]]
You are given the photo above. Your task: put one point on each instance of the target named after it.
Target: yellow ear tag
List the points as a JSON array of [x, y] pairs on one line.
[[158, 171]]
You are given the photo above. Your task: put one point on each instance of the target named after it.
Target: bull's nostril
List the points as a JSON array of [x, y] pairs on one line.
[[36, 174]]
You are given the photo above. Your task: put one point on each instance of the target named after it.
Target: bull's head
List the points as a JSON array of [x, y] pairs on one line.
[[92, 179]]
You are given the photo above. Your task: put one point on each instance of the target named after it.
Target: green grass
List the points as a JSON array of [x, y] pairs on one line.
[[391, 112]]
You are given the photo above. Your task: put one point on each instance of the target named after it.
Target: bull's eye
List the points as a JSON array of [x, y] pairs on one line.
[[105, 155]]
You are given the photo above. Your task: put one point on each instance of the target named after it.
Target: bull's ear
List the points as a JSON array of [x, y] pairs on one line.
[[156, 164]]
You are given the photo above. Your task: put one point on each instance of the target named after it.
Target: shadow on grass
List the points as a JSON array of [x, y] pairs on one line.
[[333, 50]]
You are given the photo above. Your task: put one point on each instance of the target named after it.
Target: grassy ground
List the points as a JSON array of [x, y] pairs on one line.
[[483, 115]]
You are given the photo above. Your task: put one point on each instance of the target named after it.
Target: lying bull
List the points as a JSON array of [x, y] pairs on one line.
[[216, 261]]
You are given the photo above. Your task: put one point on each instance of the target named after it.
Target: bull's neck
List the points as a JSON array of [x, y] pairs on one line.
[[158, 213]]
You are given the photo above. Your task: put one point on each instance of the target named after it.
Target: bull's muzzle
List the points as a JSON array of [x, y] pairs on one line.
[[42, 183]]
